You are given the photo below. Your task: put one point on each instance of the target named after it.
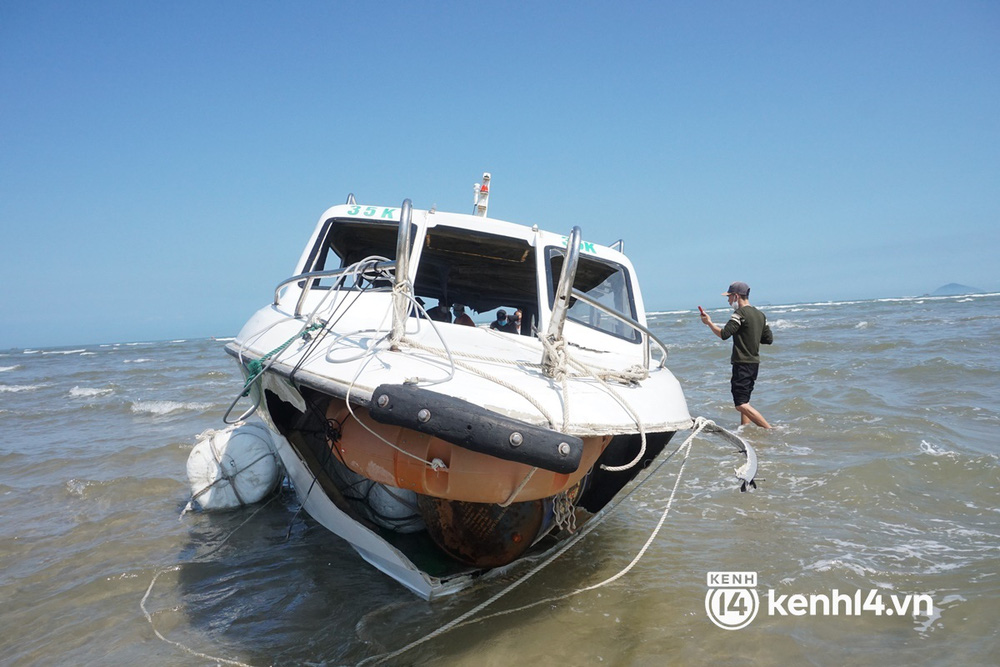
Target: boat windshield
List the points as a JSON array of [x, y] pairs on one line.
[[481, 271], [603, 281], [349, 241]]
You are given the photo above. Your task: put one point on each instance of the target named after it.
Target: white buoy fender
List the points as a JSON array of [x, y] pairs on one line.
[[235, 467]]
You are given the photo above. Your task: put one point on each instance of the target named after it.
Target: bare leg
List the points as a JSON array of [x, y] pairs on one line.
[[748, 414]]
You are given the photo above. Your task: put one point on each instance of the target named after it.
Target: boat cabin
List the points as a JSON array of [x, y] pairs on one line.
[[483, 264]]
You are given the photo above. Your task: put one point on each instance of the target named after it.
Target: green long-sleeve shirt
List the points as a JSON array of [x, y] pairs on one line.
[[748, 329]]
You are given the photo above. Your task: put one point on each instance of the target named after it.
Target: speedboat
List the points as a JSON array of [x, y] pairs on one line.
[[438, 450]]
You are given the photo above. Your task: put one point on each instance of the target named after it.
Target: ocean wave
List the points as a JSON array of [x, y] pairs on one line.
[[791, 309], [17, 388], [78, 351], [960, 298], [159, 408], [929, 448], [4, 369], [655, 313], [89, 392], [786, 324], [829, 564], [138, 361]]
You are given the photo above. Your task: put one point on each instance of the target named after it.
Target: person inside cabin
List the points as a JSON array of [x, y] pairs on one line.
[[440, 313], [519, 321], [501, 323], [461, 317]]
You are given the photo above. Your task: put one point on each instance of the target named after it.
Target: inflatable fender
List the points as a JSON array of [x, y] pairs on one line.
[[235, 467]]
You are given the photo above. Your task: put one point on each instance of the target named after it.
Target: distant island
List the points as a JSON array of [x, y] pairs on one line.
[[954, 289]]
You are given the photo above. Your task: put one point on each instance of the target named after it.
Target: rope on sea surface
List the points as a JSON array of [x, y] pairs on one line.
[[174, 568], [467, 618]]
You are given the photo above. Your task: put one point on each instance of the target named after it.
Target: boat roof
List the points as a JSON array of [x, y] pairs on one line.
[[532, 234]]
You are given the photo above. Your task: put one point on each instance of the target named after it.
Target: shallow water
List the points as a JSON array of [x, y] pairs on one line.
[[882, 474]]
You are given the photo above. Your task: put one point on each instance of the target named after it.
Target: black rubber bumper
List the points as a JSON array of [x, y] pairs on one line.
[[475, 428]]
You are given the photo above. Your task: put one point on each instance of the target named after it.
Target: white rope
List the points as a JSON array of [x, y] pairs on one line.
[[487, 376], [557, 350], [433, 465], [467, 618], [174, 568], [524, 482]]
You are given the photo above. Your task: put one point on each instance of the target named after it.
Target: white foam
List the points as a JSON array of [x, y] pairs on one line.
[[78, 487], [166, 407], [89, 392], [928, 448], [4, 369], [862, 325], [786, 324], [138, 361], [650, 314], [64, 351], [17, 388], [826, 565]]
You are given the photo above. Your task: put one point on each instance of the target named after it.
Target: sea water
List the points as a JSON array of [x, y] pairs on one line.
[[881, 475]]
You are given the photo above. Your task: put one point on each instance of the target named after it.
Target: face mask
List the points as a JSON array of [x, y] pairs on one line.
[[503, 321]]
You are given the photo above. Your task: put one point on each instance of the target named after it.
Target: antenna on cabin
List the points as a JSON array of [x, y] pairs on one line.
[[618, 245], [350, 199], [481, 200]]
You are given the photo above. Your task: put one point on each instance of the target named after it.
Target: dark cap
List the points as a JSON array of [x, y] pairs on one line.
[[501, 314], [739, 289]]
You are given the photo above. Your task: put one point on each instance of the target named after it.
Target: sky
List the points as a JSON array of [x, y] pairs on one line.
[[162, 164]]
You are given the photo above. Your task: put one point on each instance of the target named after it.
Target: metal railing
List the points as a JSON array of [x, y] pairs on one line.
[[401, 287], [565, 290], [312, 277], [401, 267], [577, 294]]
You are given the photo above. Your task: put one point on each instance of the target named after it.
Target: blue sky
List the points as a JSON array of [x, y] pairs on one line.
[[162, 164]]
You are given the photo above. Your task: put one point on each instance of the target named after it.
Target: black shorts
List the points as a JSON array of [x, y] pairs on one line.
[[744, 376]]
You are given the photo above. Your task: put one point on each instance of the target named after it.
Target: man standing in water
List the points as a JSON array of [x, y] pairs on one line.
[[748, 329]]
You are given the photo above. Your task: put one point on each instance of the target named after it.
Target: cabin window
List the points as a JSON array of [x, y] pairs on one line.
[[347, 242], [605, 282], [483, 272]]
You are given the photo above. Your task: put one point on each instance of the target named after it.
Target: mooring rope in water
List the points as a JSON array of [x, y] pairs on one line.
[[174, 568], [700, 424]]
